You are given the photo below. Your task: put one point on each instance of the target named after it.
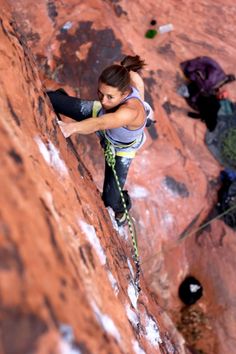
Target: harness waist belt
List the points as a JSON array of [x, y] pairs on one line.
[[119, 143]]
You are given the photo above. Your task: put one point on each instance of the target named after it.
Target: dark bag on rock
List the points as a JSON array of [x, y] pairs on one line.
[[205, 72]]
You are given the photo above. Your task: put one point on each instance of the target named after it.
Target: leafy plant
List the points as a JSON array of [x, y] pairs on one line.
[[228, 147]]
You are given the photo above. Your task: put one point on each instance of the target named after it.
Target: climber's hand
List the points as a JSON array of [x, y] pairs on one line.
[[67, 128]]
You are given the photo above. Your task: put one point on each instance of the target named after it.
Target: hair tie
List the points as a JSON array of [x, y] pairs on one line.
[[124, 67]]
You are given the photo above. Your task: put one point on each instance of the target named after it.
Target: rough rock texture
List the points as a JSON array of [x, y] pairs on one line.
[[66, 275], [173, 180]]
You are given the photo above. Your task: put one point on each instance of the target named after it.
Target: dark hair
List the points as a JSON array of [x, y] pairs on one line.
[[117, 75], [133, 63]]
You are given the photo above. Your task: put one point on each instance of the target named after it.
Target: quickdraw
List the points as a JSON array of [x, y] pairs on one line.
[[109, 153]]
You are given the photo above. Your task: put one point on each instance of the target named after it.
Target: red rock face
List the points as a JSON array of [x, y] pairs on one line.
[[66, 275], [172, 181]]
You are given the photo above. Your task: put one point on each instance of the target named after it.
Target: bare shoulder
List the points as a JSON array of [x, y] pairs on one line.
[[135, 77], [130, 107], [123, 116], [131, 113], [137, 82]]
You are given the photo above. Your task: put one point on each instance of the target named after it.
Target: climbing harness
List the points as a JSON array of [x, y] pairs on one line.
[[118, 145], [110, 153]]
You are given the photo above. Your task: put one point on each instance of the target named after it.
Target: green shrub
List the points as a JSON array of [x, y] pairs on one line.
[[228, 147]]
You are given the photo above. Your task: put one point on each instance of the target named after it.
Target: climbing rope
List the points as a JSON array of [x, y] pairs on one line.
[[109, 153], [187, 234]]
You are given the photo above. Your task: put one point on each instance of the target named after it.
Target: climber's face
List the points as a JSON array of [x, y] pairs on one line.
[[110, 96]]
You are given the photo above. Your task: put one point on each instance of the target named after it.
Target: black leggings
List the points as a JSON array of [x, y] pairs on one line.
[[72, 107], [111, 195], [79, 110]]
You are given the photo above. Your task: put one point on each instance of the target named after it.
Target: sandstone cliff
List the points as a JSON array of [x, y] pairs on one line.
[[66, 273]]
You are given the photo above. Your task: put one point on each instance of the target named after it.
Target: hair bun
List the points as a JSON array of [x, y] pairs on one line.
[[132, 63]]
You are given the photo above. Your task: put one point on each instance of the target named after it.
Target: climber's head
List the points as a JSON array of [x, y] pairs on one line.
[[114, 82], [113, 86]]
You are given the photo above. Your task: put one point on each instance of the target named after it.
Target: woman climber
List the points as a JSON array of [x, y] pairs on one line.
[[119, 118]]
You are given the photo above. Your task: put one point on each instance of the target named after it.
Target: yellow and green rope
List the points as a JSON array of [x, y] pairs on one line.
[[109, 153]]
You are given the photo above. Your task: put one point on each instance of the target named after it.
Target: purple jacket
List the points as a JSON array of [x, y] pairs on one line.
[[205, 72]]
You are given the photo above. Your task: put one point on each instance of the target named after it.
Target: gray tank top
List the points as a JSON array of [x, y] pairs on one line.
[[123, 134]]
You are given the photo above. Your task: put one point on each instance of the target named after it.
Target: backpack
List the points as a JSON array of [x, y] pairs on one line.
[[205, 77], [205, 72]]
